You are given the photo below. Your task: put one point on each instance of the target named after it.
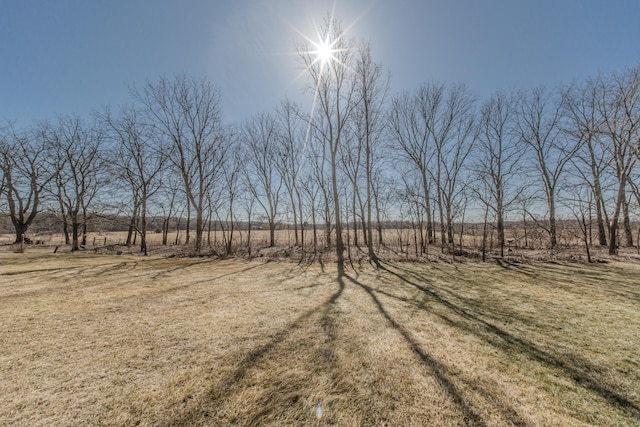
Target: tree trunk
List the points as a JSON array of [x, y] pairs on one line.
[[75, 231], [272, 233], [132, 225], [295, 218], [188, 226], [499, 220], [427, 204], [355, 221], [21, 230], [315, 228], [84, 229], [199, 229], [143, 227], [602, 230], [597, 193], [378, 223], [613, 229], [65, 231], [552, 224], [301, 224], [626, 223], [336, 203]]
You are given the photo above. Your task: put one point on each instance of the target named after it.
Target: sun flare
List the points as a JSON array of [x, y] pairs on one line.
[[324, 52]]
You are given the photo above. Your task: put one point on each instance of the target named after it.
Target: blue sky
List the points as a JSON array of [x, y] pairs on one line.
[[70, 57]]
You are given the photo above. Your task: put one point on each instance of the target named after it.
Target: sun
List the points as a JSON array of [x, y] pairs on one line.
[[324, 52]]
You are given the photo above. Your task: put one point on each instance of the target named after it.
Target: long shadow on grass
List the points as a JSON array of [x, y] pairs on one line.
[[225, 388], [577, 369], [181, 266], [507, 410], [326, 359], [119, 267], [592, 276], [189, 284], [40, 270], [441, 375]]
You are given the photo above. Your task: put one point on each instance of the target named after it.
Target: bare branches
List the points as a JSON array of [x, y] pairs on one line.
[[187, 112]]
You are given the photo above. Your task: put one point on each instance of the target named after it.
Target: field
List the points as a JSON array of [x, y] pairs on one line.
[[90, 339]]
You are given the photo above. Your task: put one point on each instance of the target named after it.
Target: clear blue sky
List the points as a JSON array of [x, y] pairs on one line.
[[70, 57]]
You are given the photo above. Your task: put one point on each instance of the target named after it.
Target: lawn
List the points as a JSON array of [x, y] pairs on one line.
[[124, 340]]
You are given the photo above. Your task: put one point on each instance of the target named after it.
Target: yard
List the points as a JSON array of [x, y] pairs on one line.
[[90, 339]]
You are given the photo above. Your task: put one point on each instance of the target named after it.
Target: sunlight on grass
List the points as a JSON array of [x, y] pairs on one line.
[[127, 340]]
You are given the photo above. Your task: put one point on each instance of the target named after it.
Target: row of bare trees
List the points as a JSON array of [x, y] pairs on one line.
[[434, 158]]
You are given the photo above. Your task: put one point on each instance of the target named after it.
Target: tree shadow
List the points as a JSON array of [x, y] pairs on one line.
[[516, 267], [181, 266], [440, 373], [576, 368], [225, 388]]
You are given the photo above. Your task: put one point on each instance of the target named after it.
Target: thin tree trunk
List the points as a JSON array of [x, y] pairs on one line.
[[132, 225], [188, 226], [336, 209], [499, 220], [75, 231], [626, 223], [143, 226], [427, 204], [613, 229]]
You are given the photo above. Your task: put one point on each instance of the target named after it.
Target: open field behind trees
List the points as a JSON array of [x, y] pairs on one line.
[[127, 340], [399, 245]]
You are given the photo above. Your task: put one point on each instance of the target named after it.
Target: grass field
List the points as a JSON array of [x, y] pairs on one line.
[[122, 340]]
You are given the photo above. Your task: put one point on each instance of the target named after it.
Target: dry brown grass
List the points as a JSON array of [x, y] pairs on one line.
[[122, 340]]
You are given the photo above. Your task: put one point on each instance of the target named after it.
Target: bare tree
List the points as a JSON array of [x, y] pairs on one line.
[[167, 200], [410, 193], [584, 124], [581, 204], [540, 114], [320, 175], [139, 159], [77, 155], [188, 113], [620, 110], [26, 172], [232, 188], [334, 98], [452, 131], [497, 159], [371, 91], [409, 128], [310, 190], [352, 159], [259, 138], [290, 151]]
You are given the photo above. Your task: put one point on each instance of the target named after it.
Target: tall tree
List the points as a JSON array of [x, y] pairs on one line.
[[584, 123], [620, 110], [259, 138], [290, 150], [539, 126], [76, 152], [188, 113], [328, 65], [231, 191], [497, 159], [26, 172], [371, 92], [139, 159], [409, 119], [451, 128]]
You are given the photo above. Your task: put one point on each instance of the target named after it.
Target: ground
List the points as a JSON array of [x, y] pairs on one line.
[[89, 339]]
